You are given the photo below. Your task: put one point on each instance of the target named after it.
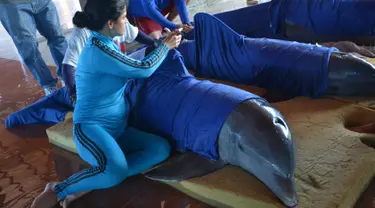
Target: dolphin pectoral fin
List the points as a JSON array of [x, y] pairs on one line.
[[184, 166]]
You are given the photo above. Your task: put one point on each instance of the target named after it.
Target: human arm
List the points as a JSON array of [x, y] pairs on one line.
[[67, 72], [182, 11], [117, 64], [144, 39], [76, 43], [153, 13], [134, 34]]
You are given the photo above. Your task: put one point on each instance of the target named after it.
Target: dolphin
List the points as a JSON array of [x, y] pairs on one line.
[[254, 137], [305, 21], [213, 125], [291, 68]]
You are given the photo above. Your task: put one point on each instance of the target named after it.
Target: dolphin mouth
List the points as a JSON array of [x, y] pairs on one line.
[[285, 190]]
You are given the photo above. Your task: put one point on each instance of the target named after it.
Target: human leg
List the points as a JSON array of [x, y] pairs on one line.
[[149, 27], [108, 165], [67, 74], [48, 24], [18, 20], [173, 13], [143, 150]]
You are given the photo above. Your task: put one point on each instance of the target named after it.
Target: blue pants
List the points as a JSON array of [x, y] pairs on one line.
[[21, 21], [111, 160]]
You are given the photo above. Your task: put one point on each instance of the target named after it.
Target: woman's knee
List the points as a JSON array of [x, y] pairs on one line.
[[116, 171], [160, 148]]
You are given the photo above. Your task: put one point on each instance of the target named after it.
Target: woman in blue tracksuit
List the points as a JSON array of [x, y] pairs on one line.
[[101, 113]]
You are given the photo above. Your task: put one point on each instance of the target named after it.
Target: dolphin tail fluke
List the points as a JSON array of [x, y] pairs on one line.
[[184, 166]]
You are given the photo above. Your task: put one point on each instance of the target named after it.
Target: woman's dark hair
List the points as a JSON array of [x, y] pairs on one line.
[[96, 13]]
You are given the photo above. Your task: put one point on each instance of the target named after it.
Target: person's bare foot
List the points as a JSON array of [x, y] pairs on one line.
[[69, 199], [47, 199]]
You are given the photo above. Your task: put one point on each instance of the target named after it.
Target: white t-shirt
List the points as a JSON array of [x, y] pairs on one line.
[[79, 37]]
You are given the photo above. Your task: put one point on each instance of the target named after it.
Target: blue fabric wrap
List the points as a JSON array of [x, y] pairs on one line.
[[252, 21], [48, 110], [296, 68], [173, 104], [328, 18]]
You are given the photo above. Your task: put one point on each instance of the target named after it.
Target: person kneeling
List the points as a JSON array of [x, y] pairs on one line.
[[100, 130]]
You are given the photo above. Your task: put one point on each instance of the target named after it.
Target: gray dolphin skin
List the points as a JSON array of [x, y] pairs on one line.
[[350, 75], [255, 137], [263, 145]]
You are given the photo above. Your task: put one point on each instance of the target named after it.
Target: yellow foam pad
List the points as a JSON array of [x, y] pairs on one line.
[[333, 165], [61, 134]]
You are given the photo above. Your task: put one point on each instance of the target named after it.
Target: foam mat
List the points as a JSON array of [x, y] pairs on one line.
[[61, 134]]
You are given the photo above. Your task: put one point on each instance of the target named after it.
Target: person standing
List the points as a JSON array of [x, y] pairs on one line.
[[149, 15], [21, 19]]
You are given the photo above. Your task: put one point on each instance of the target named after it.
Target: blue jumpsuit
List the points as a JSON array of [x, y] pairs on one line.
[[100, 131]]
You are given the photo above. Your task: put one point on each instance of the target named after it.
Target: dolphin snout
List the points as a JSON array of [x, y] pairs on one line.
[[286, 190], [257, 138]]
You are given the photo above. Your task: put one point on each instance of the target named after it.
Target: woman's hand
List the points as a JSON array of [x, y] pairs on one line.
[[185, 28], [173, 39]]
